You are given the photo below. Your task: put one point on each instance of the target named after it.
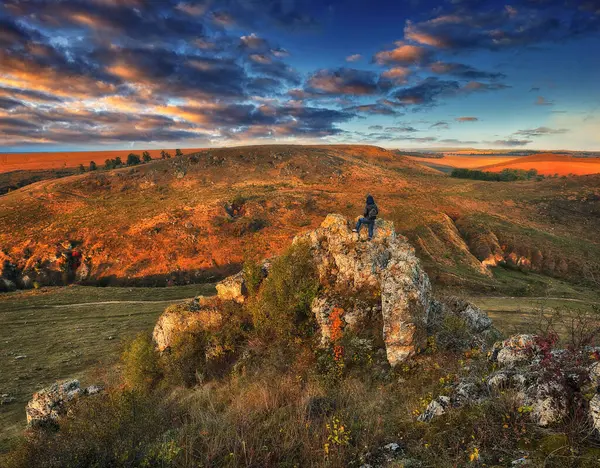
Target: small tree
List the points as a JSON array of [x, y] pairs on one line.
[[109, 164], [178, 152], [81, 168], [163, 154], [93, 166], [167, 155], [146, 157], [133, 159], [118, 162]]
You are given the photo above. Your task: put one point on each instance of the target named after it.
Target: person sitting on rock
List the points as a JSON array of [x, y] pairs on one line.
[[369, 217]]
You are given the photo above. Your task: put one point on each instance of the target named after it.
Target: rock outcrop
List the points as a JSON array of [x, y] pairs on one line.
[[52, 402], [548, 384], [387, 265], [376, 285], [202, 313]]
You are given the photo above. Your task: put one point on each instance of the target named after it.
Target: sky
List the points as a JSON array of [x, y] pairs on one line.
[[81, 75]]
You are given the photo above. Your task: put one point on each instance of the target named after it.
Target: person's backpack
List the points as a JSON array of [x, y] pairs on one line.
[[373, 212]]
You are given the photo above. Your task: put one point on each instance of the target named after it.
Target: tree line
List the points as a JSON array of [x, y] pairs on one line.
[[506, 175], [133, 159]]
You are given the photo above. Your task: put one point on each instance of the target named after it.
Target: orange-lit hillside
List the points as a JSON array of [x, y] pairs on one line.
[[550, 164], [32, 161]]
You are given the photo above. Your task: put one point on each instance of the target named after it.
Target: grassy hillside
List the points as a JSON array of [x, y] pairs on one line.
[[66, 332], [197, 217]]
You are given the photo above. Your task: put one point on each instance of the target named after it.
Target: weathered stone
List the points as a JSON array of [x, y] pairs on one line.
[[50, 403], [549, 402], [388, 264], [435, 408], [201, 314], [232, 288], [517, 349], [476, 319]]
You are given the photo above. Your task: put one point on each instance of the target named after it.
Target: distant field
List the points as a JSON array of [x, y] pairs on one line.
[[550, 164], [62, 334], [465, 162], [34, 161], [544, 163]]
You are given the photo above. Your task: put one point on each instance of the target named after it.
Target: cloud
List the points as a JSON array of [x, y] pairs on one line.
[[542, 101], [441, 124], [253, 42], [463, 71], [510, 142], [343, 81], [454, 141], [466, 119], [497, 27], [403, 54], [472, 86], [427, 92], [397, 75], [353, 58], [378, 108], [541, 131]]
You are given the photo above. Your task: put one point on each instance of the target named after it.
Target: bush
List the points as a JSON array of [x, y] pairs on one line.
[[122, 428], [185, 362], [282, 307], [141, 370]]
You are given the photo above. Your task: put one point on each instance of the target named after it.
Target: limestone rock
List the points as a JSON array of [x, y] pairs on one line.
[[232, 288], [595, 411], [200, 314], [549, 402], [50, 403], [435, 408], [517, 349], [387, 263], [476, 319]]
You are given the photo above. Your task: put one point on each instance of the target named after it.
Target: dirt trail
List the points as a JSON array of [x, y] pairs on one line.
[[79, 304]]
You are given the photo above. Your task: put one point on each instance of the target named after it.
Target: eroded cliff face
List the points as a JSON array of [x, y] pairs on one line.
[[376, 287]]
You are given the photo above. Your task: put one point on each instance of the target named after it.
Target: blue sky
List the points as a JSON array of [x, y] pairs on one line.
[[94, 74]]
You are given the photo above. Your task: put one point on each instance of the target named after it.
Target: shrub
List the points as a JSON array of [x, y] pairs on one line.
[[282, 307], [140, 364], [253, 276], [120, 428], [146, 157], [185, 362]]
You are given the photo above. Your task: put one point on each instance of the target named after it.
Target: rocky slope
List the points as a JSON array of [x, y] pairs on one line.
[[380, 285]]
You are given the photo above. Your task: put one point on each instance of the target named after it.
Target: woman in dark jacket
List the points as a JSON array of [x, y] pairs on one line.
[[369, 216]]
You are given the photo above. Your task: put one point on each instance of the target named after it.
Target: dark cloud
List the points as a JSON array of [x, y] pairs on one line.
[[343, 81], [440, 124], [463, 71], [510, 142], [427, 92], [481, 26], [541, 131], [379, 108], [454, 141]]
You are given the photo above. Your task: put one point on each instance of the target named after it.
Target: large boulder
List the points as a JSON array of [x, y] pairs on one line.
[[200, 314], [232, 288], [50, 403], [387, 264]]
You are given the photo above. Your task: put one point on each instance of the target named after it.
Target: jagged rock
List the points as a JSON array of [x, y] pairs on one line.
[[200, 314], [515, 350], [435, 408], [549, 402], [50, 403], [476, 319], [387, 263], [594, 408], [232, 288]]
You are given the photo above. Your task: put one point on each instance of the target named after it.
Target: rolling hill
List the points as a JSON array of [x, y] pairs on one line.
[[197, 217]]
